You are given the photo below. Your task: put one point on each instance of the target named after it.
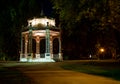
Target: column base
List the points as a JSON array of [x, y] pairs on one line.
[[60, 57], [47, 56], [21, 55], [30, 57], [37, 56], [52, 56], [26, 55]]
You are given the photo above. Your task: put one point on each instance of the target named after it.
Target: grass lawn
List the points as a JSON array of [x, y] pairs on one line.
[[12, 76], [107, 69]]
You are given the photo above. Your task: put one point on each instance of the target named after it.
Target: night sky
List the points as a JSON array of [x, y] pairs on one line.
[[46, 6]]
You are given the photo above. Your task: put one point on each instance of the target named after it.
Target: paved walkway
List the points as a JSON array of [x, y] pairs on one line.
[[52, 73]]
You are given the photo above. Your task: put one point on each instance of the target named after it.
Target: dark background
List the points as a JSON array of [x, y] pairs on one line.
[[86, 26]]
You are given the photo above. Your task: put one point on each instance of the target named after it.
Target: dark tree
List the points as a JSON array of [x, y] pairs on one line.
[[87, 23]]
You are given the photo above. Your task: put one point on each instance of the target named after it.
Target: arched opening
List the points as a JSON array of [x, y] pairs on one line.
[[55, 46], [42, 48]]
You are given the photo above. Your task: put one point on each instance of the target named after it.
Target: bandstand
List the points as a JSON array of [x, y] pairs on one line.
[[41, 41]]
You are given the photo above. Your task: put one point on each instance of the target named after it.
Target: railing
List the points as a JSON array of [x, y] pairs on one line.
[[42, 55]]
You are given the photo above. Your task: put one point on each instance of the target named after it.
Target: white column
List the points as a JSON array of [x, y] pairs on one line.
[[60, 52], [51, 46], [47, 37], [37, 47], [21, 51], [26, 45]]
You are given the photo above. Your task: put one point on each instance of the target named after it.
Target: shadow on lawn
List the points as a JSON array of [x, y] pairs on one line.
[[13, 76], [111, 70]]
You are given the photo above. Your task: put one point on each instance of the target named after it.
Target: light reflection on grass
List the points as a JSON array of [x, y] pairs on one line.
[[111, 70]]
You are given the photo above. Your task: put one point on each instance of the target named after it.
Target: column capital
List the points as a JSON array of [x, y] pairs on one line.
[[26, 38], [37, 39]]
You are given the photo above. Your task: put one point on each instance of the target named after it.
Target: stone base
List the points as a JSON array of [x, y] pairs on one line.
[[36, 60], [23, 60]]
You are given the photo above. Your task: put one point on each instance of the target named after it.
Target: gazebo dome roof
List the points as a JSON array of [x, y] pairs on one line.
[[37, 22], [39, 25]]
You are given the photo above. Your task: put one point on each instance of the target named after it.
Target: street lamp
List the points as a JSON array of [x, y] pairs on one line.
[[102, 50]]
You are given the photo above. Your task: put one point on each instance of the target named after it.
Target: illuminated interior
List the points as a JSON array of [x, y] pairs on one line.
[[42, 33]]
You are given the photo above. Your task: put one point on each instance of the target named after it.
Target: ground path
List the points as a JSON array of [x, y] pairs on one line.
[[52, 73]]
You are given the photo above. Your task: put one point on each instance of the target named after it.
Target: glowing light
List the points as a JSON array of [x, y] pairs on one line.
[[102, 49], [41, 21], [39, 34]]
